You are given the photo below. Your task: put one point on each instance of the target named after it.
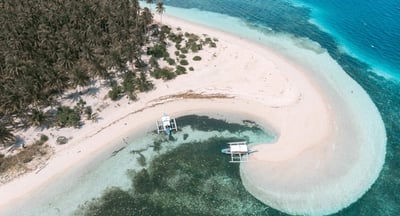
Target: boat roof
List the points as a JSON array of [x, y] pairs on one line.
[[165, 118], [239, 148]]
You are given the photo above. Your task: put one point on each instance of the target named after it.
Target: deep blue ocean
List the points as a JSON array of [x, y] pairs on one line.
[[363, 36]]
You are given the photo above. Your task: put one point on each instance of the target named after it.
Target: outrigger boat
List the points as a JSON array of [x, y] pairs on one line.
[[239, 151], [167, 124], [228, 151]]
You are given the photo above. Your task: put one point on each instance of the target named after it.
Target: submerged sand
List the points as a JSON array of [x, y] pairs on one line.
[[331, 139]]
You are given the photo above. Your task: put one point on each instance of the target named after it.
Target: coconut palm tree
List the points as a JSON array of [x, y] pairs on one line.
[[150, 2], [160, 9]]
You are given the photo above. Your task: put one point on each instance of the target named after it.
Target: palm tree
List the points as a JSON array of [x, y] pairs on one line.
[[6, 135], [160, 9], [149, 2], [37, 117]]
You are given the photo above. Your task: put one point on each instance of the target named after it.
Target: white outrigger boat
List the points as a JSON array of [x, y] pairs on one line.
[[167, 124], [239, 151]]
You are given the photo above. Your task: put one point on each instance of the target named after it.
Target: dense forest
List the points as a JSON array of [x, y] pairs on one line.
[[48, 47]]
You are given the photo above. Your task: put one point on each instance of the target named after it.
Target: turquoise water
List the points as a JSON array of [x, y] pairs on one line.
[[187, 176], [363, 38]]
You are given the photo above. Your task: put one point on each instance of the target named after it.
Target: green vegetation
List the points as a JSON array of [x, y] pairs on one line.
[[37, 117], [43, 139], [49, 47], [18, 160], [180, 70], [115, 92], [88, 112], [163, 73], [158, 51], [154, 62], [67, 117], [170, 61], [210, 42], [61, 140], [196, 58], [52, 48], [183, 62], [184, 51], [6, 136]]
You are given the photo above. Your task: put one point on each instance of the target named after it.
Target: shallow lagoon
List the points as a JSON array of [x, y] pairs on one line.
[[159, 175], [189, 175]]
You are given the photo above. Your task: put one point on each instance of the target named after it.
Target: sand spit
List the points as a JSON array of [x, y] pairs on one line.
[[331, 139]]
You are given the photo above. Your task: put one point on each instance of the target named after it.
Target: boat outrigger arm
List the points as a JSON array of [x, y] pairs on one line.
[[167, 124]]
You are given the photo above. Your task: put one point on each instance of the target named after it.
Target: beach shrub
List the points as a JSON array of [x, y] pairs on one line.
[[61, 140], [183, 62], [196, 58], [195, 47], [191, 37], [182, 56], [67, 117], [180, 70], [158, 51], [154, 62], [37, 117], [191, 68], [143, 84], [165, 29], [115, 92], [43, 139], [213, 45], [128, 82], [176, 38], [27, 159], [163, 73], [170, 61], [88, 112], [13, 162], [80, 106], [184, 50], [177, 53]]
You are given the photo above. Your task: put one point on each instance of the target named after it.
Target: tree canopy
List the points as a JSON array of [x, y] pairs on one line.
[[49, 46]]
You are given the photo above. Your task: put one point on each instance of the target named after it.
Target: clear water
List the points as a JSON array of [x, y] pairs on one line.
[[182, 174], [187, 176], [361, 36]]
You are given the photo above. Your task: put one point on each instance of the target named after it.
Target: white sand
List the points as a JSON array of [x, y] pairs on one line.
[[331, 143]]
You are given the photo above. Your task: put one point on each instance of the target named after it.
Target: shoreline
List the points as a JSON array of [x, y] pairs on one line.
[[273, 89]]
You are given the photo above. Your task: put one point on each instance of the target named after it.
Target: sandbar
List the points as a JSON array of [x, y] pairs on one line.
[[331, 141]]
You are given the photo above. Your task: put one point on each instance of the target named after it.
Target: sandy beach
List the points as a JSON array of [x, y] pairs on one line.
[[331, 140]]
